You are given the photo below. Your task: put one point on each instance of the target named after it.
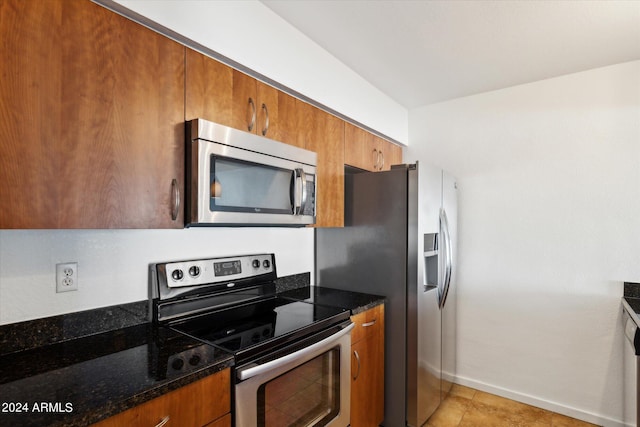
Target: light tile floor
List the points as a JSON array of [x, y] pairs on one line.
[[466, 407]]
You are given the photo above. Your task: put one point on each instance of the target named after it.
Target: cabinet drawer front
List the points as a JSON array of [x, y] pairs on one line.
[[194, 405], [367, 323]]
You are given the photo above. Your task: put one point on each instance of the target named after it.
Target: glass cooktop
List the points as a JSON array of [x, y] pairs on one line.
[[254, 328]]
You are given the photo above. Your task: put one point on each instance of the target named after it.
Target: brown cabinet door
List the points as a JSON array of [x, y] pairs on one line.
[[366, 151], [324, 134], [97, 136], [388, 153], [123, 123], [360, 150], [193, 405], [30, 119], [278, 116], [367, 374], [221, 94], [218, 93]]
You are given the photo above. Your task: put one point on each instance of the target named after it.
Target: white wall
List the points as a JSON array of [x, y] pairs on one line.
[[253, 35], [549, 188], [112, 264]]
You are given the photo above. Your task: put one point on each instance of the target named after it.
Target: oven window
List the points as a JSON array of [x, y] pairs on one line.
[[308, 395], [241, 186]]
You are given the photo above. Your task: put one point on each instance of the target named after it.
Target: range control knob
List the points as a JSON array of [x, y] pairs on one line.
[[194, 271], [177, 364], [266, 263], [177, 274], [256, 263], [194, 360]]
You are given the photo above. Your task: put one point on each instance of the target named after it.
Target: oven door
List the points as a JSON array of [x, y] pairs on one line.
[[310, 386]]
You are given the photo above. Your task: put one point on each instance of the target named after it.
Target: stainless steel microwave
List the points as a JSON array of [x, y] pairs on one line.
[[238, 178]]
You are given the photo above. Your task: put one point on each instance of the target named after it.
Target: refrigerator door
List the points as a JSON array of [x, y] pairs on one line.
[[450, 207], [423, 328]]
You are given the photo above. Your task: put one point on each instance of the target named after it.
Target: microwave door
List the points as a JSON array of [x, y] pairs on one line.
[[242, 187]]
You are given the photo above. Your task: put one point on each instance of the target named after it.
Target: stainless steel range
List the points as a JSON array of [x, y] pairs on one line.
[[292, 358]]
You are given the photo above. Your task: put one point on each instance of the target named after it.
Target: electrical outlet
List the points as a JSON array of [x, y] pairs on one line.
[[67, 277]]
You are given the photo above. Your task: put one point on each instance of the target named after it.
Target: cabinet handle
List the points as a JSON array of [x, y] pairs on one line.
[[375, 159], [366, 325], [163, 421], [252, 122], [381, 154], [355, 353], [266, 120], [175, 191]]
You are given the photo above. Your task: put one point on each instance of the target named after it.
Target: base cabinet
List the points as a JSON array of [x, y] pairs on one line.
[[204, 402], [367, 368]]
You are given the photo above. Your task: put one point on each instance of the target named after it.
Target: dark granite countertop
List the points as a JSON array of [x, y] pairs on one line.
[[631, 300], [356, 302], [79, 381], [80, 368]]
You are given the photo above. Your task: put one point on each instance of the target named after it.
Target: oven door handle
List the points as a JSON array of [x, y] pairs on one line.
[[246, 373]]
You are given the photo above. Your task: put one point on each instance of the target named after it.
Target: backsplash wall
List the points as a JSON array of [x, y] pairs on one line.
[[113, 264]]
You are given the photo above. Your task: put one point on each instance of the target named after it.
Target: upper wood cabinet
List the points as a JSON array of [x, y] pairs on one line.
[[216, 92], [388, 153], [324, 134], [92, 134], [221, 94], [278, 116], [366, 151]]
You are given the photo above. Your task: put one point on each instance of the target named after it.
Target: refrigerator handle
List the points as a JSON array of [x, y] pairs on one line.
[[447, 254]]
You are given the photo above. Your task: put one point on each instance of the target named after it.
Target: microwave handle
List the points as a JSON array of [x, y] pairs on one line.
[[299, 209], [303, 201]]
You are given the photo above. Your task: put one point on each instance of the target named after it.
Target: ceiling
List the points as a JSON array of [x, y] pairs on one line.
[[422, 52]]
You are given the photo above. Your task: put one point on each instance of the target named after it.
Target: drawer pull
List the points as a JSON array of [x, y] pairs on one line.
[[163, 421], [366, 325]]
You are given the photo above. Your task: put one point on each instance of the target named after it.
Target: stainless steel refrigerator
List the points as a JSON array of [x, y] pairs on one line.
[[399, 241]]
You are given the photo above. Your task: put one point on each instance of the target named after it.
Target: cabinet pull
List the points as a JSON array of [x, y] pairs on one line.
[[381, 154], [366, 325], [175, 191], [355, 353], [375, 159], [266, 120], [163, 421], [252, 122]]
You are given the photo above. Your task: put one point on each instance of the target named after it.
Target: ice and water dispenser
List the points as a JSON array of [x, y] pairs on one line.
[[430, 261]]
